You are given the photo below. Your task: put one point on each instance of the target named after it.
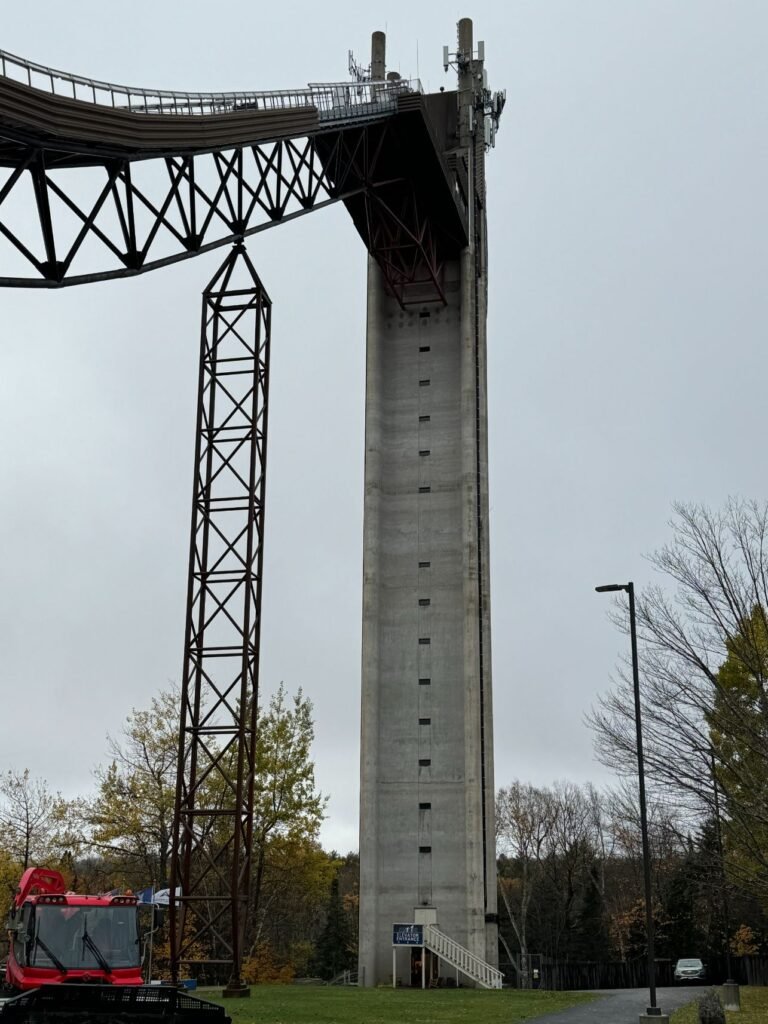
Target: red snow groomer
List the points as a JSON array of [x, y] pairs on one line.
[[58, 937], [78, 958]]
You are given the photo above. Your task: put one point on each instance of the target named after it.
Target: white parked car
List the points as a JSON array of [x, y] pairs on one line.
[[690, 970]]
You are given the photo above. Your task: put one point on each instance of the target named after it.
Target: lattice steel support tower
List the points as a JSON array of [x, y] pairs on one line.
[[214, 797], [427, 843]]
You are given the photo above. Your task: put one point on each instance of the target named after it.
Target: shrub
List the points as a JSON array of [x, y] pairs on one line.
[[263, 967], [711, 1009]]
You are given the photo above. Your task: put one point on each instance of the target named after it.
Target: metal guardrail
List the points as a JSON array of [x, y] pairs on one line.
[[340, 101], [461, 958], [345, 978], [334, 101]]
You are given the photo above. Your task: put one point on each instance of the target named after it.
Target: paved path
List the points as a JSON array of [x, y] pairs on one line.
[[622, 1006]]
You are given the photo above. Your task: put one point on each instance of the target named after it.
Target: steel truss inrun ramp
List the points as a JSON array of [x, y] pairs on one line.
[[211, 866], [99, 181]]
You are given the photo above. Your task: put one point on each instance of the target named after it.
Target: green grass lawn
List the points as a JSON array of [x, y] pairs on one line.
[[317, 1004], [754, 1009]]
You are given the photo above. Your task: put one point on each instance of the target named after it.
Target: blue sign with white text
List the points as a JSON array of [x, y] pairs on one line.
[[407, 934]]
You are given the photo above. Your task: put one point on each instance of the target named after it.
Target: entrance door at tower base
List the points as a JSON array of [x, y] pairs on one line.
[[408, 937], [434, 959]]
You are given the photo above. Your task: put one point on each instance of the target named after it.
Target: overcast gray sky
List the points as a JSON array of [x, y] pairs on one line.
[[628, 233]]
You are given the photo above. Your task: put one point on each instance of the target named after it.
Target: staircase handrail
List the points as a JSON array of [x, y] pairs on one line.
[[467, 962]]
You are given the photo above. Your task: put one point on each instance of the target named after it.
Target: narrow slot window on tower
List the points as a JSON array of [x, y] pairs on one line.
[[425, 682], [424, 419], [425, 762], [425, 807], [425, 849], [424, 348], [424, 565], [425, 451], [424, 383], [424, 602], [424, 490], [425, 721], [424, 640]]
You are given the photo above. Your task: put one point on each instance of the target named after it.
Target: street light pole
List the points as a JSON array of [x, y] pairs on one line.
[[731, 996], [629, 588], [723, 879]]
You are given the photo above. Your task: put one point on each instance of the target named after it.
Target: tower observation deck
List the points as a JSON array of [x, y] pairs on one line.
[[100, 181]]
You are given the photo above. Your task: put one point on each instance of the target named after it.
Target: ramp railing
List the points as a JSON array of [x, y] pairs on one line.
[[334, 101], [452, 952]]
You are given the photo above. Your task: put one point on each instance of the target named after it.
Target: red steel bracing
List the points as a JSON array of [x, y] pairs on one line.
[[211, 866], [402, 242]]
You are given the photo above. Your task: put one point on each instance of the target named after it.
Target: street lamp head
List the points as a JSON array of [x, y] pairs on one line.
[[611, 587]]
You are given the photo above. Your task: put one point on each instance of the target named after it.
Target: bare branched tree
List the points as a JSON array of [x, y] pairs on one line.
[[524, 823], [571, 848], [704, 676], [28, 817]]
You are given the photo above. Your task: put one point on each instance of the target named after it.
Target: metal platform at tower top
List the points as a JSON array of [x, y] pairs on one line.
[[172, 174]]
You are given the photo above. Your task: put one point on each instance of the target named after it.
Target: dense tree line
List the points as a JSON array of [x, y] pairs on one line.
[[571, 882]]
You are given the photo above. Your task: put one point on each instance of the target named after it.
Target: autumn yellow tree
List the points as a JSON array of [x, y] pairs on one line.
[[129, 821], [130, 818], [287, 804]]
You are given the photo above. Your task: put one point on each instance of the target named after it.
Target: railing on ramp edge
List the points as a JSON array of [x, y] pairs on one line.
[[335, 101]]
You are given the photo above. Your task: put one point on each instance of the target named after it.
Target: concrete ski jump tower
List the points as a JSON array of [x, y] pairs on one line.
[[427, 841], [176, 174]]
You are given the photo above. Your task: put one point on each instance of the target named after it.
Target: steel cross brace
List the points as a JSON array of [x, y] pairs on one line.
[[402, 242], [140, 214]]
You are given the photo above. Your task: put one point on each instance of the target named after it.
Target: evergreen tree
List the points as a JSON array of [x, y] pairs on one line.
[[684, 936], [738, 724], [334, 952], [591, 940]]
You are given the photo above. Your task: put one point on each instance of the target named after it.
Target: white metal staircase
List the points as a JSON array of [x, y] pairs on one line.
[[457, 956]]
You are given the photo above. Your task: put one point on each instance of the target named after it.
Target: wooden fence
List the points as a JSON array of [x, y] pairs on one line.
[[575, 975]]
